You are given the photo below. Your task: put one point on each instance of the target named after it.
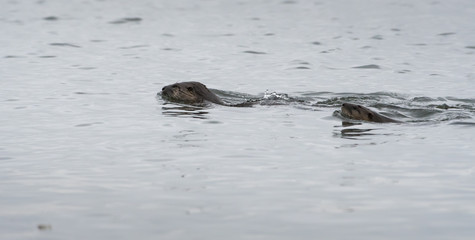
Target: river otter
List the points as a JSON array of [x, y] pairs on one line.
[[190, 92], [359, 112]]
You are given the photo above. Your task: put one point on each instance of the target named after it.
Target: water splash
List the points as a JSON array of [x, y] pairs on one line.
[[275, 96]]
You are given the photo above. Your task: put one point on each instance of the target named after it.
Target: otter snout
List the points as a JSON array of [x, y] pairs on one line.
[[167, 91]]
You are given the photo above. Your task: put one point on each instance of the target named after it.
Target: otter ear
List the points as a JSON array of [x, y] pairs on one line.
[[370, 116], [190, 89]]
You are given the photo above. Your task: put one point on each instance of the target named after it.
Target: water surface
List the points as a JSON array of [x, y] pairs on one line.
[[88, 151]]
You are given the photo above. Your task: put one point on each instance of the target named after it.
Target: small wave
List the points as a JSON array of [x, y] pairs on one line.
[[377, 37], [254, 52], [127, 20], [302, 67], [65, 45], [301, 64], [87, 124], [327, 99], [331, 50], [370, 66], [446, 34], [135, 46], [170, 49], [51, 18], [464, 100]]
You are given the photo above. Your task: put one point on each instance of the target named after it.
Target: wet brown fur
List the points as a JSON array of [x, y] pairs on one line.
[[190, 92], [359, 112]]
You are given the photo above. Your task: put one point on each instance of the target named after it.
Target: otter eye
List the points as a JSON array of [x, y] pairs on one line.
[[190, 89], [370, 116], [359, 106], [174, 86]]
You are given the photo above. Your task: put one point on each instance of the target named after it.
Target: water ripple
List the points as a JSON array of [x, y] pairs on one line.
[[65, 45], [127, 20], [254, 52], [370, 66]]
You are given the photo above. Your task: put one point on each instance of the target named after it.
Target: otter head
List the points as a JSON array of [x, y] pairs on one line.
[[357, 112], [182, 92]]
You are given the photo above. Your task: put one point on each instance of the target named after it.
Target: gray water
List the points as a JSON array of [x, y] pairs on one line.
[[89, 151]]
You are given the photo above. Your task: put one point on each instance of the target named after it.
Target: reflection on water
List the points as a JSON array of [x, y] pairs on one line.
[[467, 124], [184, 111], [356, 133], [365, 133], [361, 136]]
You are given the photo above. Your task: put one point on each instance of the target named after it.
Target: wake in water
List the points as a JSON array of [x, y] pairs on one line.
[[405, 108], [400, 107]]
